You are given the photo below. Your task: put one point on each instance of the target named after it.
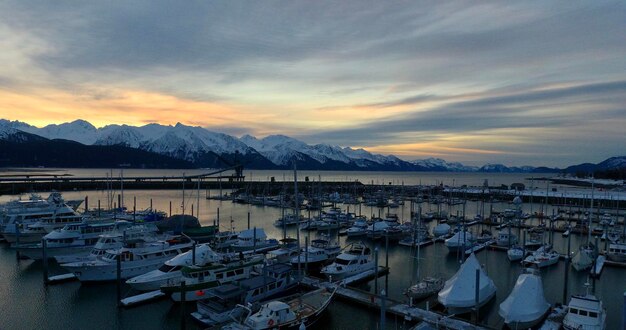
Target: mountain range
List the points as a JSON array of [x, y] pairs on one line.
[[186, 146]]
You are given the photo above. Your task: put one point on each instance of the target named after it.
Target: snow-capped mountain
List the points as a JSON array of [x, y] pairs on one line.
[[438, 164], [78, 130]]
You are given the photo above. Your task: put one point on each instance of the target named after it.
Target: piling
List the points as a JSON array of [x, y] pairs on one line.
[[193, 254], [383, 309], [476, 295], [249, 220], [183, 298], [306, 255], [86, 203], [218, 217], [254, 240], [376, 270], [99, 208], [170, 208], [150, 204], [119, 280], [44, 255], [134, 207]]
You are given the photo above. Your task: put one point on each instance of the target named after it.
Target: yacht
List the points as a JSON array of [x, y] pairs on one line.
[[48, 214], [199, 278], [356, 258], [221, 302], [288, 248], [289, 220], [377, 229], [136, 258], [459, 292], [253, 240], [124, 232], [170, 271], [526, 306], [617, 252], [298, 313], [585, 312], [71, 239], [319, 253], [224, 239]]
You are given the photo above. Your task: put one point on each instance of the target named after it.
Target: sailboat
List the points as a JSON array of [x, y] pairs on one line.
[[428, 285], [459, 292], [587, 252], [526, 305]]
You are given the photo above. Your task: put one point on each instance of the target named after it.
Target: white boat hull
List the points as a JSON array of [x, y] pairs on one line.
[[90, 272]]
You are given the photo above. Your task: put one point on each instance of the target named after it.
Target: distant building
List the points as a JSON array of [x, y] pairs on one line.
[[518, 186]]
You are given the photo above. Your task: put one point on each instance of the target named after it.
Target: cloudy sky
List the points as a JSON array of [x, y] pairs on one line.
[[519, 83]]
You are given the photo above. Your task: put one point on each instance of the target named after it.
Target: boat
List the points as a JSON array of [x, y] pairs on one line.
[[221, 302], [202, 234], [136, 258], [526, 306], [298, 313], [319, 253], [441, 230], [359, 228], [584, 257], [199, 278], [113, 240], [617, 252], [376, 229], [253, 240], [71, 239], [224, 239], [543, 257], [288, 248], [170, 271], [428, 286], [459, 292], [356, 258], [28, 221], [461, 240], [515, 253], [289, 220], [585, 312], [505, 238]]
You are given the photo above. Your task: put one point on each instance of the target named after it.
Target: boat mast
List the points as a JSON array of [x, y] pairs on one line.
[[590, 213]]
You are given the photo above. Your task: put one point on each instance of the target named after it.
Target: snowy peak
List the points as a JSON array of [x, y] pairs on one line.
[[438, 164], [78, 130]]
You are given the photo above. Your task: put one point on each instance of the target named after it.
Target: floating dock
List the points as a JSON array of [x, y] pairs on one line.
[[61, 278], [142, 298]]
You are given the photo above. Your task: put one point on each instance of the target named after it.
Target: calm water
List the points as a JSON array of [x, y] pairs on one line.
[[25, 303]]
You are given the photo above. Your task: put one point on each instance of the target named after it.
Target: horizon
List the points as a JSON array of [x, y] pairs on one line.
[[517, 84]]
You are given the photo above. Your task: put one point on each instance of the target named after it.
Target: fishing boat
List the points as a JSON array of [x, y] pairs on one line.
[[320, 252], [356, 258], [298, 313], [459, 292], [617, 252], [526, 306], [136, 258], [199, 278], [170, 271], [221, 302], [585, 312]]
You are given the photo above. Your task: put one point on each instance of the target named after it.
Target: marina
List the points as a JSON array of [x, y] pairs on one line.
[[397, 264]]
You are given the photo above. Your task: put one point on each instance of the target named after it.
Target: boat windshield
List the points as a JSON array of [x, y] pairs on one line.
[[167, 268], [340, 261]]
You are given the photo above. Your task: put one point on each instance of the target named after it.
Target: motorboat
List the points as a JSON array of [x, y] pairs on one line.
[[136, 258], [199, 278], [170, 271], [542, 257], [376, 229], [356, 258], [461, 240], [288, 248], [253, 240], [298, 313], [224, 239], [220, 303], [459, 292], [585, 312], [526, 306], [319, 253], [428, 286]]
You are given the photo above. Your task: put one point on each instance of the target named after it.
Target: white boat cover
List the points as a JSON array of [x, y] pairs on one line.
[[249, 233], [581, 260], [204, 255], [526, 302], [441, 229], [460, 290]]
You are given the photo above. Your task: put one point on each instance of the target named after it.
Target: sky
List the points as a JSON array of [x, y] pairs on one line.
[[519, 83]]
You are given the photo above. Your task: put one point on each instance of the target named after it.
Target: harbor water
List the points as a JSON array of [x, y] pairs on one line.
[[26, 303]]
